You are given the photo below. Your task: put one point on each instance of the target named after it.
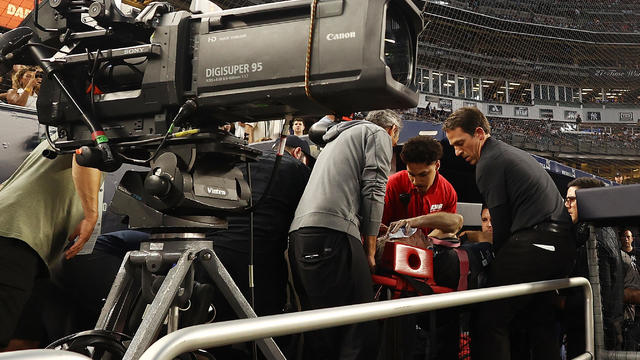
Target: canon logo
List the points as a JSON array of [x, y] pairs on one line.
[[341, 36]]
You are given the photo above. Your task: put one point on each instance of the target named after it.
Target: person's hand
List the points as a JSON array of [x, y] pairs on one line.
[[33, 82], [371, 260], [397, 225], [81, 234], [384, 229]]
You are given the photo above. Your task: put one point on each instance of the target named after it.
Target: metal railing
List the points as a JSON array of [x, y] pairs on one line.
[[42, 354], [212, 335], [230, 332]]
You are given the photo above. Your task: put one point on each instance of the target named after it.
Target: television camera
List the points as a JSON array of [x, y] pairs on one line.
[[153, 88]]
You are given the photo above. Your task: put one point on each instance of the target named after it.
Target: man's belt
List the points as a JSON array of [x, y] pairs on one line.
[[552, 227]]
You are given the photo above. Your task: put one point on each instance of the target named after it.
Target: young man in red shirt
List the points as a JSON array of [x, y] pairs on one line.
[[420, 189]]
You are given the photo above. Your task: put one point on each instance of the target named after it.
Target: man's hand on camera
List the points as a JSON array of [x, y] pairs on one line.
[[81, 234]]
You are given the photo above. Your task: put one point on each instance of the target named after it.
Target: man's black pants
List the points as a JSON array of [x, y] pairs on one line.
[[330, 269], [19, 266], [527, 256]]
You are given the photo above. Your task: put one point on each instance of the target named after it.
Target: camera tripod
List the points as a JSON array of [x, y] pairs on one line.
[[164, 250], [179, 202]]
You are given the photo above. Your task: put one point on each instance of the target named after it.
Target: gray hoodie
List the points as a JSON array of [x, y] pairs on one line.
[[346, 189]]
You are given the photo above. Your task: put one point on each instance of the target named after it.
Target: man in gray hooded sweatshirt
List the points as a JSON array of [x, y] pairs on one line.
[[341, 205]]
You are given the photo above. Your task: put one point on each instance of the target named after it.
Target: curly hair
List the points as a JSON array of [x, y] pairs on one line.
[[421, 149], [15, 79]]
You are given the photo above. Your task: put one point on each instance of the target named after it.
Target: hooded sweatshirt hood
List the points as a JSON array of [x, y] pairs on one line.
[[335, 130]]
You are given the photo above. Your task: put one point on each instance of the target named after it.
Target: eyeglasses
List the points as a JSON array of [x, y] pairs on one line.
[[569, 199]]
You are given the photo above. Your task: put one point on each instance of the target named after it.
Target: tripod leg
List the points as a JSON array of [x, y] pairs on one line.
[[229, 289], [115, 310], [157, 311]]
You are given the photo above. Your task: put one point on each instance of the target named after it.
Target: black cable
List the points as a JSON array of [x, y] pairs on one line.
[[155, 153], [269, 187], [91, 76], [185, 111]]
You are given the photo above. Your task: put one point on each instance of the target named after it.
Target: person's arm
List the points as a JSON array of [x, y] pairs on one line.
[[14, 98], [475, 236], [451, 202], [369, 244], [377, 155], [445, 222], [390, 196], [87, 183], [21, 99]]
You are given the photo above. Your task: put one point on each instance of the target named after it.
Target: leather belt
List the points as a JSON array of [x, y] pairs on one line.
[[552, 227]]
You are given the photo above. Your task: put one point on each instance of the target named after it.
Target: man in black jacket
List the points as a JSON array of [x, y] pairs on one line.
[[531, 235]]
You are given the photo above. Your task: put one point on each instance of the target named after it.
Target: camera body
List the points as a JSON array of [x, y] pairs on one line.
[[153, 90], [245, 64]]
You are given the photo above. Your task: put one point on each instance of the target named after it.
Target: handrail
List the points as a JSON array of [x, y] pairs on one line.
[[229, 332], [42, 354]]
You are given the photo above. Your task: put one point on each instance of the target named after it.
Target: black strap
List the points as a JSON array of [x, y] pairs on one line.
[[421, 287]]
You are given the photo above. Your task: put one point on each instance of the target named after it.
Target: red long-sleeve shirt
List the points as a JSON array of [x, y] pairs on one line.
[[441, 196]]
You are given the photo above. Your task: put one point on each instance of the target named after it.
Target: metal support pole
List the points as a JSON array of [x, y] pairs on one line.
[[158, 309], [224, 282], [114, 311]]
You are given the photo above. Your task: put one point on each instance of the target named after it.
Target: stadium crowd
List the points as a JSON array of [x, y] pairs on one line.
[[566, 14], [548, 132]]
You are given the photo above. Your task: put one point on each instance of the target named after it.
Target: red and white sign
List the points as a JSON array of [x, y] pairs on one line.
[[12, 12]]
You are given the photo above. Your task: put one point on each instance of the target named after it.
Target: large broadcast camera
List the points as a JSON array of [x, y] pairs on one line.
[[153, 90], [128, 77], [119, 88]]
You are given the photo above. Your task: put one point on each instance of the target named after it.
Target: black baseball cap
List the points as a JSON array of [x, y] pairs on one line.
[[294, 141]]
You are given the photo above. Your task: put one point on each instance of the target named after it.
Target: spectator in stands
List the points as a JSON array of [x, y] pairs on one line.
[[420, 189], [26, 84], [298, 127], [610, 276], [531, 235], [342, 204]]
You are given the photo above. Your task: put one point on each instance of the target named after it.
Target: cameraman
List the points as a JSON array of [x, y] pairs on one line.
[[46, 204], [343, 203], [26, 85]]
